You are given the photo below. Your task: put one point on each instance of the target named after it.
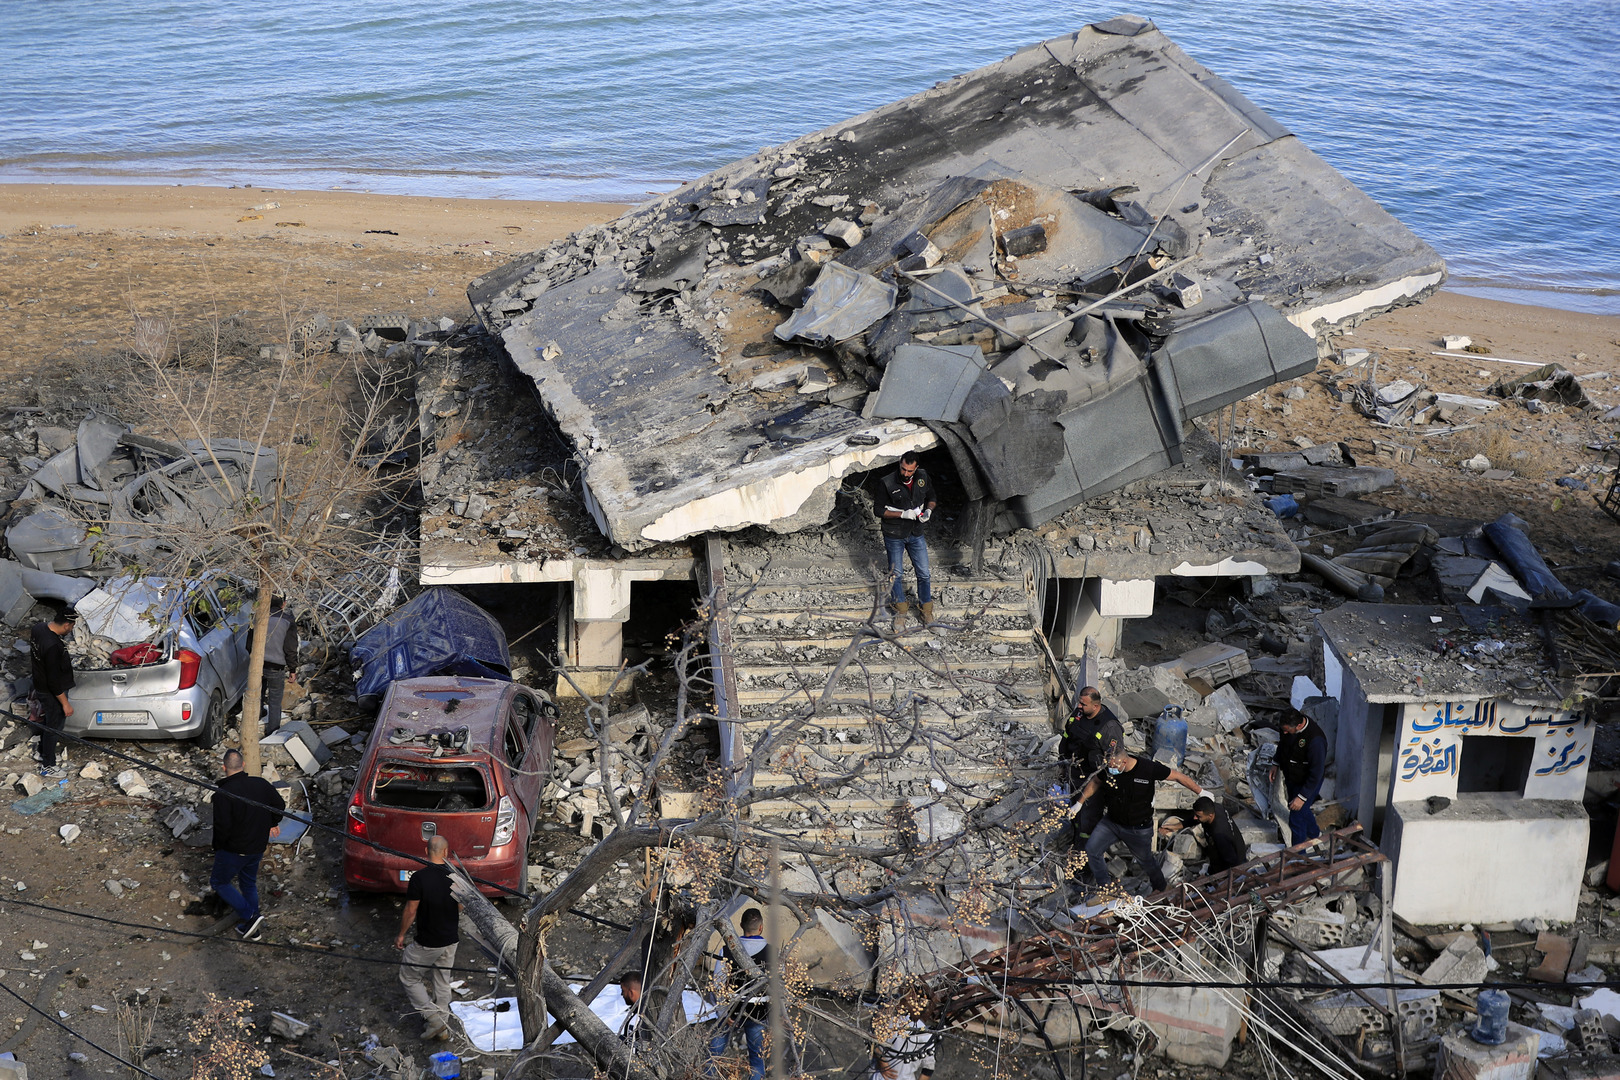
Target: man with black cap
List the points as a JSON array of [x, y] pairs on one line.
[[53, 678], [1302, 760]]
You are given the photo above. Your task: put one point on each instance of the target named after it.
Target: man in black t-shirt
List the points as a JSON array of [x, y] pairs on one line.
[[1127, 787], [430, 904], [1226, 846], [905, 502]]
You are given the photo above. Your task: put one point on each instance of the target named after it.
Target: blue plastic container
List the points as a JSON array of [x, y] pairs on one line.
[[1284, 506], [1493, 1018], [1170, 733], [446, 1066]]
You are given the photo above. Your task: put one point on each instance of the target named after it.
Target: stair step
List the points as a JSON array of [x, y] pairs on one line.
[[993, 667], [754, 640]]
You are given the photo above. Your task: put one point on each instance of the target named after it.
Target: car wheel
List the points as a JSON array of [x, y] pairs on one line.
[[214, 723]]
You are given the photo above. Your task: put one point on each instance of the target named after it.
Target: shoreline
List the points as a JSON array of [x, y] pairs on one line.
[[77, 261], [500, 223]]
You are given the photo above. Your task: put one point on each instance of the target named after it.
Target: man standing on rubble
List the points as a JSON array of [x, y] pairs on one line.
[[747, 1018], [904, 504], [437, 915], [53, 678], [1091, 736], [1226, 846], [1127, 787], [246, 808], [280, 655], [1302, 759]]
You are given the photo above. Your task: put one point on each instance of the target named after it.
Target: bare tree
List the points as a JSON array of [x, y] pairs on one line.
[[300, 464]]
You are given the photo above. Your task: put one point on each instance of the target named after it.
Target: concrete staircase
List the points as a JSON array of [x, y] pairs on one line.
[[977, 682]]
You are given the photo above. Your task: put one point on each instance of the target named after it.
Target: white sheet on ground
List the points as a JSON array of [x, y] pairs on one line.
[[490, 1030]]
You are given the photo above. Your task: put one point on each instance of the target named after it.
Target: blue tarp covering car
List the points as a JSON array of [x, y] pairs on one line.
[[439, 632]]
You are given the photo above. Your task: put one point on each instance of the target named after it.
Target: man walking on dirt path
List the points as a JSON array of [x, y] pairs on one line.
[[433, 908], [53, 678], [905, 503], [246, 808]]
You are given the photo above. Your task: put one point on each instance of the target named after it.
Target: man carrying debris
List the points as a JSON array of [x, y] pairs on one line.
[[53, 678], [747, 1018], [280, 655], [437, 915], [1127, 787], [905, 503], [1302, 759], [1226, 846], [246, 808]]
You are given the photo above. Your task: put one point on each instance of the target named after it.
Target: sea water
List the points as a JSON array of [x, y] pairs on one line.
[[1491, 128]]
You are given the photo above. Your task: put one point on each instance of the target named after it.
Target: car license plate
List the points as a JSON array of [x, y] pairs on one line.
[[405, 875], [121, 718]]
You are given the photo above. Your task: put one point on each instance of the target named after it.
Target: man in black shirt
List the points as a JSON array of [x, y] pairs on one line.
[[1302, 760], [53, 678], [1127, 787], [905, 501], [1091, 736], [430, 904], [1226, 846], [246, 809]]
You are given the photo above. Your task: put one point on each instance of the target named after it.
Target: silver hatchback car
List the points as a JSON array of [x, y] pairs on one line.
[[166, 660]]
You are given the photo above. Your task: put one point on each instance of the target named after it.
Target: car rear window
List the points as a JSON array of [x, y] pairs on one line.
[[410, 785]]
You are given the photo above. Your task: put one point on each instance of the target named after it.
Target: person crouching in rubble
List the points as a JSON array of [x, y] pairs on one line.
[[1221, 836], [1302, 759], [905, 503], [1126, 787]]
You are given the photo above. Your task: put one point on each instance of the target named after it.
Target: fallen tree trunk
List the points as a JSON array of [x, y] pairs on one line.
[[500, 939]]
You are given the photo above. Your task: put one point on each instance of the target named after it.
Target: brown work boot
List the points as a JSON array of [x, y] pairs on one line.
[[928, 613], [901, 610]]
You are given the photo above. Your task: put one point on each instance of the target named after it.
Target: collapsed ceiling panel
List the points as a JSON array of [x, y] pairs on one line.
[[1087, 244]]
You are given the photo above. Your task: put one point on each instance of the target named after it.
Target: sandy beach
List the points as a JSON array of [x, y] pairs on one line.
[[78, 262]]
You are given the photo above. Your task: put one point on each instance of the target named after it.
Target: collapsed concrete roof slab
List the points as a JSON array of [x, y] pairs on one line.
[[1128, 241]]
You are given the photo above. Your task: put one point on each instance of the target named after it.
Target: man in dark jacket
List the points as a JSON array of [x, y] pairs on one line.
[[246, 809], [280, 655], [1091, 736], [1302, 759], [1226, 846], [53, 678], [905, 502]]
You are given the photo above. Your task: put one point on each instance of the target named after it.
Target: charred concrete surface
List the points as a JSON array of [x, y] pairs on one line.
[[1052, 264]]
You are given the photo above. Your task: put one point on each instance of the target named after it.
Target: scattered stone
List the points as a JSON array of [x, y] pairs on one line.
[[1453, 342], [114, 887], [1478, 463], [92, 771], [845, 232], [68, 833], [31, 783], [288, 1027], [130, 783], [1295, 393]]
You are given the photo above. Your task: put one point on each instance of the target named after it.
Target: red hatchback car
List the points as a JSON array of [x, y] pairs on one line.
[[463, 758]]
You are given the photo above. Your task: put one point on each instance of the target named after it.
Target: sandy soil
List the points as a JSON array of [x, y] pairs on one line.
[[76, 263]]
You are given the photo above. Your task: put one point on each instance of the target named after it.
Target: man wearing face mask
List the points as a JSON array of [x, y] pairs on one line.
[[1126, 789]]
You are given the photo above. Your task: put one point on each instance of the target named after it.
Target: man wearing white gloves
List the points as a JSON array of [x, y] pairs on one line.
[[1126, 786], [905, 502]]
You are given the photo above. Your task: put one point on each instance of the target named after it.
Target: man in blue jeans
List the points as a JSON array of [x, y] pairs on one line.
[[246, 809], [1126, 787], [748, 1017], [1302, 758], [905, 502]]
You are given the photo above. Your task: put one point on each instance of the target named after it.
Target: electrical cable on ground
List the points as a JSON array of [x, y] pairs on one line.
[[82, 1038]]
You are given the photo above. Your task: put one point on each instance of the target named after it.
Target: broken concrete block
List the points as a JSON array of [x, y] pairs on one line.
[[845, 232], [31, 783], [180, 820], [1215, 663], [1456, 341], [295, 745], [1556, 951], [922, 249], [334, 735], [1146, 691], [1461, 1058], [1228, 707], [1478, 463], [13, 1070], [1463, 961], [1195, 1025], [288, 1027], [1029, 240], [130, 783], [68, 833], [92, 771], [1336, 514]]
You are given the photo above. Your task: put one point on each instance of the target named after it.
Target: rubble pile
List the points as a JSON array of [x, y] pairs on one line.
[[1048, 266], [584, 776]]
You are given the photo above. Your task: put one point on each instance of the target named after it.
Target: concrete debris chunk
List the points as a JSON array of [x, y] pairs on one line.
[[181, 820], [288, 1027], [1145, 691], [68, 833], [131, 783], [845, 232], [92, 771]]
